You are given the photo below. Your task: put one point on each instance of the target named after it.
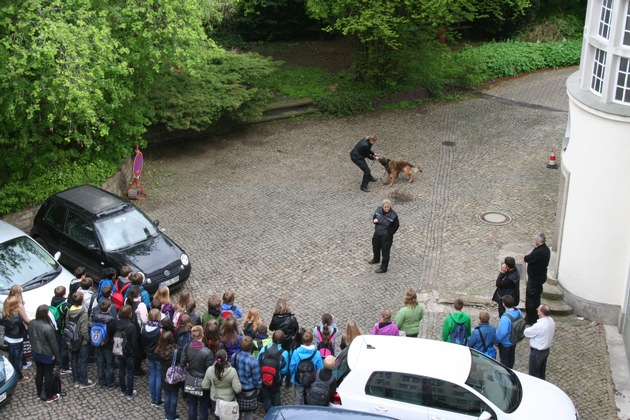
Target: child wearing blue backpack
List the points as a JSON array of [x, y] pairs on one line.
[[102, 338]]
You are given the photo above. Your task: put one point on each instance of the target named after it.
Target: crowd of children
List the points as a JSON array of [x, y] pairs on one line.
[[209, 359]]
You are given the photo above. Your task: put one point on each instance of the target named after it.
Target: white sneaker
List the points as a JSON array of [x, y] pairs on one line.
[[27, 365]]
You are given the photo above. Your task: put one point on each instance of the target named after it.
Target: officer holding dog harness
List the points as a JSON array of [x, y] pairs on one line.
[[362, 150]]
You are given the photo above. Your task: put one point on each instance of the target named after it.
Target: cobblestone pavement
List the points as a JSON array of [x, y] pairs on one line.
[[275, 210]]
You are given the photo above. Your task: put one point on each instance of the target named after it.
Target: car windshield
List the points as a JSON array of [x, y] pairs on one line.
[[24, 262], [125, 230], [495, 382]]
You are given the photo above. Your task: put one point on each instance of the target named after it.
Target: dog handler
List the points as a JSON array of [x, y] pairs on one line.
[[363, 150], [385, 226]]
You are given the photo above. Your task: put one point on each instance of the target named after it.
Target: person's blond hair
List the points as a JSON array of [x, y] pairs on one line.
[[163, 295], [11, 306], [352, 332]]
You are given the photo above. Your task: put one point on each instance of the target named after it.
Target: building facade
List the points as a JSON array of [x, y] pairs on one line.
[[592, 250]]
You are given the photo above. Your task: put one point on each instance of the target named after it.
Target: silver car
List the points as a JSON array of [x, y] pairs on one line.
[[25, 262]]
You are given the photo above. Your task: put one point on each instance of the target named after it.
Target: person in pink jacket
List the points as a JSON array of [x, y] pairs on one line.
[[385, 326]]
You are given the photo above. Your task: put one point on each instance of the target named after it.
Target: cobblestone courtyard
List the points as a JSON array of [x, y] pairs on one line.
[[275, 210]]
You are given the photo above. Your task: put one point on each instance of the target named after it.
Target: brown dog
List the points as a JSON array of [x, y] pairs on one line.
[[394, 167]]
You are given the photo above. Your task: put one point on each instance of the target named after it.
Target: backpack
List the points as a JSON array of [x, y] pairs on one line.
[[225, 313], [325, 349], [319, 393], [71, 334], [56, 312], [184, 339], [518, 328], [98, 334], [118, 297], [270, 365], [120, 343], [104, 282], [459, 335], [305, 370]]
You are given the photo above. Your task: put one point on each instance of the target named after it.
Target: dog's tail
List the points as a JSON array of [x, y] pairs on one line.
[[415, 169]]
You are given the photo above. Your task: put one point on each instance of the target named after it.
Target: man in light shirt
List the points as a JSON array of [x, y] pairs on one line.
[[541, 338]]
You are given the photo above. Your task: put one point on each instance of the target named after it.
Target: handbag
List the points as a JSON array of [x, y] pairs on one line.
[[175, 374], [227, 410], [247, 400], [192, 385]]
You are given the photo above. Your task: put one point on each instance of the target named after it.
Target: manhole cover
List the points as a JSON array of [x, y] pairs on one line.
[[495, 218], [448, 143]]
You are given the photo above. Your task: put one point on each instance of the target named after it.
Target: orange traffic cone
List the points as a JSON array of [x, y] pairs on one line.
[[552, 160]]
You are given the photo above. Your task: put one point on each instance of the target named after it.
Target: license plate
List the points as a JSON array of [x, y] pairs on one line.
[[3, 396], [169, 282]]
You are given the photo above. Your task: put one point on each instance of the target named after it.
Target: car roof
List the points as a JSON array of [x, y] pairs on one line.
[[8, 232], [93, 200], [437, 359]]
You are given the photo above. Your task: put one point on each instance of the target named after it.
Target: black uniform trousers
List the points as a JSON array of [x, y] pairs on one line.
[[382, 244]]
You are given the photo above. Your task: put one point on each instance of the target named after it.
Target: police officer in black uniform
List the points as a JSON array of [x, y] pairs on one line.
[[363, 150], [386, 224]]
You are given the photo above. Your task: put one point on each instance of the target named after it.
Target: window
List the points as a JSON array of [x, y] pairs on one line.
[[444, 395], [54, 216], [80, 230], [605, 19], [395, 386], [626, 30], [622, 91], [599, 65]]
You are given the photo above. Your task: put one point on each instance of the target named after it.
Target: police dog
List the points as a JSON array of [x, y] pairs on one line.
[[394, 167]]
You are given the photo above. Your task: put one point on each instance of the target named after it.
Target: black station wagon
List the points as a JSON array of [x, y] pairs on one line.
[[96, 229]]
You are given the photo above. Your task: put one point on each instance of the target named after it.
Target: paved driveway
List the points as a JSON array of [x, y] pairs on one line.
[[275, 210]]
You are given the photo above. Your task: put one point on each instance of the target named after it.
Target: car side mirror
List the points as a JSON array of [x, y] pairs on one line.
[[156, 222], [485, 416], [57, 256]]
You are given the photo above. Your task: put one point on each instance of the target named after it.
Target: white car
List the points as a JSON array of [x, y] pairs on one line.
[[422, 379], [23, 261]]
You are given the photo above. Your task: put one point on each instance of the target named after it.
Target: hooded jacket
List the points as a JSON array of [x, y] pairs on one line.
[[131, 330], [150, 337], [449, 324], [110, 322], [385, 328], [62, 307], [301, 353], [77, 312]]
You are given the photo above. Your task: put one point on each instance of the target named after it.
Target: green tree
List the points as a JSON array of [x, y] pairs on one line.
[[381, 29], [79, 81]]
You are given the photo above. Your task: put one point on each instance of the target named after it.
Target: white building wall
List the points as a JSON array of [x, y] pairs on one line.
[[595, 253]]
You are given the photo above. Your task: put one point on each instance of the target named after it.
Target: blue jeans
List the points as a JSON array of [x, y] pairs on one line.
[[15, 357], [78, 361], [193, 400], [64, 363], [170, 402], [155, 380], [125, 371], [105, 366]]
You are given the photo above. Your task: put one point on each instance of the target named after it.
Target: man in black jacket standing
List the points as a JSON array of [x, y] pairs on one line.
[[537, 262], [386, 224], [507, 284], [362, 150]]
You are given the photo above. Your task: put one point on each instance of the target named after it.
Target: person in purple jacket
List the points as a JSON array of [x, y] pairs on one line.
[[385, 326]]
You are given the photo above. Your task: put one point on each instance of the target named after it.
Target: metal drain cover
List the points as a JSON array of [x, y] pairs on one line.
[[495, 218]]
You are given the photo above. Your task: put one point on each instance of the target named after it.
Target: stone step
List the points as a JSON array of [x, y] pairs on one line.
[[552, 292], [558, 307], [289, 103], [283, 113]]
